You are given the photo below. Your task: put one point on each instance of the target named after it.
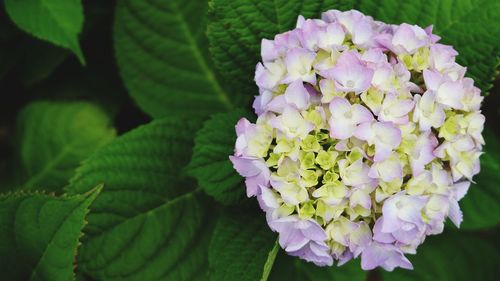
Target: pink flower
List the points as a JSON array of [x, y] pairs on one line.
[[409, 38], [402, 211], [261, 101], [354, 174], [303, 238], [295, 95], [395, 109], [423, 152], [352, 152], [269, 75], [388, 169], [428, 113], [254, 170], [299, 66], [268, 50], [384, 135], [331, 37], [291, 123], [448, 93], [346, 117], [350, 73], [442, 56], [386, 256]]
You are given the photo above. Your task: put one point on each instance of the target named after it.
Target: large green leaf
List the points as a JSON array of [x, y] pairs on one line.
[[293, 269], [54, 137], [210, 163], [451, 257], [348, 272], [39, 234], [162, 56], [149, 222], [243, 247], [481, 205], [56, 21], [237, 27]]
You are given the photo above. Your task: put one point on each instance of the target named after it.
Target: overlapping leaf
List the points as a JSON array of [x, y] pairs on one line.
[[54, 137], [39, 234], [163, 59], [57, 21], [242, 248], [210, 163], [149, 222]]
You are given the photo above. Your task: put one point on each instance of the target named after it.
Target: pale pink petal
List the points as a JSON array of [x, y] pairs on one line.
[[341, 129], [450, 94], [364, 132], [361, 114], [268, 50], [362, 33], [434, 38], [339, 106], [297, 95], [455, 214], [432, 80], [408, 38], [350, 74], [277, 104], [380, 236], [460, 189], [242, 126], [382, 152], [246, 167], [261, 101], [386, 256]]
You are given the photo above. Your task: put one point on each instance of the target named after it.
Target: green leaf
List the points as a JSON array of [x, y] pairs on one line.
[[451, 257], [236, 29], [293, 269], [54, 137], [56, 21], [39, 234], [350, 271], [149, 222], [210, 163], [242, 248], [163, 60], [481, 205]]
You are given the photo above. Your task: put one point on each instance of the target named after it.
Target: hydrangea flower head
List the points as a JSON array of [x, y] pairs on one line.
[[367, 136]]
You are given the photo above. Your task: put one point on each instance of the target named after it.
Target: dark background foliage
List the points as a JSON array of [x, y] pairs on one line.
[[113, 162]]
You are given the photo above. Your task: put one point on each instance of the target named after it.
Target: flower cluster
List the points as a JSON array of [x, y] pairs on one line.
[[367, 136]]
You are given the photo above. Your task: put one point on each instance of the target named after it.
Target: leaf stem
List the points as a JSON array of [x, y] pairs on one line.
[[268, 266]]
